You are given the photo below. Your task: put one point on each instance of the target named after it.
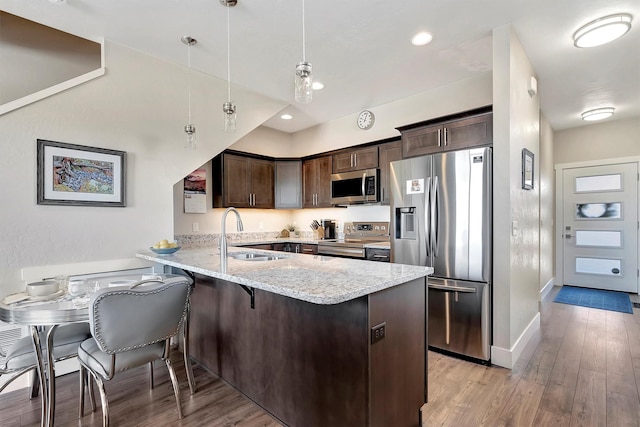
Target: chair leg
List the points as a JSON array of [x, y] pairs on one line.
[[35, 387], [82, 374], [92, 396], [103, 400], [151, 384], [176, 386]]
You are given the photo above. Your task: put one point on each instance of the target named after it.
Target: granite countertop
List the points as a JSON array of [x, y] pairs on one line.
[[313, 278]]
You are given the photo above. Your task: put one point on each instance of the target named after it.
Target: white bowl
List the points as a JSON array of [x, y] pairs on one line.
[[43, 288]]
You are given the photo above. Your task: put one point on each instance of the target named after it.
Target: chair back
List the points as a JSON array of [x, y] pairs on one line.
[[125, 319]]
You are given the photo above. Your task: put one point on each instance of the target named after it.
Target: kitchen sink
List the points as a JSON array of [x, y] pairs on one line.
[[252, 256]]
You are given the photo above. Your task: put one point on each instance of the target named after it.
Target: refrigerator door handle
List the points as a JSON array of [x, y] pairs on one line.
[[434, 216], [427, 217], [463, 289]]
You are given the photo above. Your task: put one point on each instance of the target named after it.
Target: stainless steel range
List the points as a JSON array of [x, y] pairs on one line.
[[356, 236]]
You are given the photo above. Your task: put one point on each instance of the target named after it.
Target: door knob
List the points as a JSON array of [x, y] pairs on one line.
[[568, 236]]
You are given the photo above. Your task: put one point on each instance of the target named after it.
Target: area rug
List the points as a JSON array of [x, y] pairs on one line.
[[595, 298]]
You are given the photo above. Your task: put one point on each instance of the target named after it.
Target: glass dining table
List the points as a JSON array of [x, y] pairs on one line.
[[64, 310]]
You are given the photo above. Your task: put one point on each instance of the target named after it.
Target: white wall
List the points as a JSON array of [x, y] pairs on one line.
[[516, 264], [139, 106], [547, 205], [604, 140]]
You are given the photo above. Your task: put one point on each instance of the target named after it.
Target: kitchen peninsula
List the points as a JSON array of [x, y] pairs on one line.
[[315, 340]]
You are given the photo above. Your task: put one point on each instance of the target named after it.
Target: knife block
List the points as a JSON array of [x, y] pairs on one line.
[[319, 233]]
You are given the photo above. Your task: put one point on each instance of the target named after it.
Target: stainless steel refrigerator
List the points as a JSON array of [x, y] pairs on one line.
[[441, 216]]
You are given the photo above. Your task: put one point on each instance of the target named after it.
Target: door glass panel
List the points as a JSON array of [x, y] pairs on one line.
[[599, 210], [608, 239], [588, 184], [608, 267]]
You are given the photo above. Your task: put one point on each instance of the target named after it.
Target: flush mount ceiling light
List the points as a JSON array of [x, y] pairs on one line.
[[286, 117], [229, 108], [304, 74], [602, 30], [421, 39], [189, 129], [598, 114]]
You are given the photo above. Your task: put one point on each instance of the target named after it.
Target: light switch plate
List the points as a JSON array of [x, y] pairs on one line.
[[514, 228]]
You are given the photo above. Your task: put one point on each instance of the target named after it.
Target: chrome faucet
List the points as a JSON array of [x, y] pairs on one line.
[[223, 231]]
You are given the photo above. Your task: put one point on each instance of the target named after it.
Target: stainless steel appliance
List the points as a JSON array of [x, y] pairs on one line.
[[356, 236], [441, 217], [355, 187]]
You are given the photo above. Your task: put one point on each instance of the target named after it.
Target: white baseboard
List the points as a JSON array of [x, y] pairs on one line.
[[507, 358], [547, 288]]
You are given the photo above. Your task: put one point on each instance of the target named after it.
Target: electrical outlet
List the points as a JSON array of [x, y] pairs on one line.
[[195, 226], [261, 225], [378, 332]]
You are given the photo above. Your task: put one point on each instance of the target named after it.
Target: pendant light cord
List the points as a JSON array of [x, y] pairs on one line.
[[228, 58], [189, 80], [303, 35]]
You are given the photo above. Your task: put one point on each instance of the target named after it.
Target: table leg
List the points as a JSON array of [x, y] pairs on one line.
[[37, 347], [51, 373]]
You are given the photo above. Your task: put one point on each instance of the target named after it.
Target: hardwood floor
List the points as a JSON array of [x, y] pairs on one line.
[[584, 370]]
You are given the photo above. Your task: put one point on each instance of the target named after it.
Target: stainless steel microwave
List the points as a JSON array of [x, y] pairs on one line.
[[355, 187]]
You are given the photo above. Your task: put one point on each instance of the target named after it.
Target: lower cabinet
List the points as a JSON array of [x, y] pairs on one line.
[[315, 365], [309, 249]]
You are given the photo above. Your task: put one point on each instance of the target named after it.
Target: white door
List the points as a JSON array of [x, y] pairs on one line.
[[600, 229]]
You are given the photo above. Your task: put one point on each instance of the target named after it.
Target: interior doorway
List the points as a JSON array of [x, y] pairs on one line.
[[597, 225]]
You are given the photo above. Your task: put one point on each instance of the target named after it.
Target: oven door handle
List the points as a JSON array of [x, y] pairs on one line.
[[453, 288]]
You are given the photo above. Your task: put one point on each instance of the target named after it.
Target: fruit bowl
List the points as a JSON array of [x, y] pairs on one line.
[[165, 251]]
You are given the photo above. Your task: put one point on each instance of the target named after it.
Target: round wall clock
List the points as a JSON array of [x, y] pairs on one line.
[[366, 119]]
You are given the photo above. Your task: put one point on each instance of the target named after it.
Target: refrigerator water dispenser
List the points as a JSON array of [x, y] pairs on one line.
[[406, 227]]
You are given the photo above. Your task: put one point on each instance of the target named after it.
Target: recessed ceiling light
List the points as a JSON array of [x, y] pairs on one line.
[[317, 85], [286, 117], [422, 39], [598, 114], [602, 30]]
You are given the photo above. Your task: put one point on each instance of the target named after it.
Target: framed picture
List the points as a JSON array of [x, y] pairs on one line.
[[527, 169], [77, 175]]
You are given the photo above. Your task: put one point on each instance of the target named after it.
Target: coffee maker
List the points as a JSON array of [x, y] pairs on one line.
[[329, 226]]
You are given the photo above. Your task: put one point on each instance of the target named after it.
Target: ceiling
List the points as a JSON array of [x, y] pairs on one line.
[[361, 51]]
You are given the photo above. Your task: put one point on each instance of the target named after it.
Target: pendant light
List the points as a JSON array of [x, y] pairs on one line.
[[189, 129], [229, 108], [304, 75]]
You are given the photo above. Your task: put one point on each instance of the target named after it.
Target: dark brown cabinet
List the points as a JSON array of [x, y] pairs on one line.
[[242, 182], [448, 135], [316, 182], [389, 152], [288, 184], [353, 160]]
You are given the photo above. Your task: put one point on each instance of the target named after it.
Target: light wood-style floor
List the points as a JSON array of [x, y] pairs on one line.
[[584, 370]]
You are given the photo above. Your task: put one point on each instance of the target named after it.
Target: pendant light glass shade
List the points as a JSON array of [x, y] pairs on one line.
[[189, 129], [304, 83], [602, 30], [304, 74], [229, 116], [229, 108]]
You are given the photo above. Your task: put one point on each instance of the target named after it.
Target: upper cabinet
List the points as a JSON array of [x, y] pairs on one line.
[[242, 182], [454, 134], [355, 159], [389, 152], [288, 184], [316, 182]]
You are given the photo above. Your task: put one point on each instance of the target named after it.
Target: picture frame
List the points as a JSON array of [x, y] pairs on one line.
[[78, 175], [527, 169]]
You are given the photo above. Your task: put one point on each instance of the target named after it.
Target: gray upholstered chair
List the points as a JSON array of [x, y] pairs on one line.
[[130, 328], [20, 358]]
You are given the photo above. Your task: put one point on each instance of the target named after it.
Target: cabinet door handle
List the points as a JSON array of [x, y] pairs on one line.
[[446, 137], [355, 159], [249, 199], [439, 137], [307, 250]]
